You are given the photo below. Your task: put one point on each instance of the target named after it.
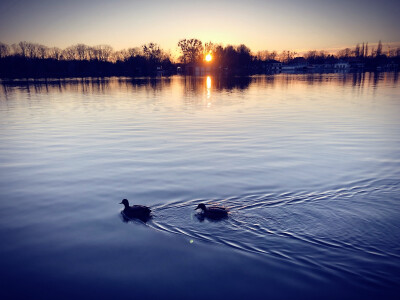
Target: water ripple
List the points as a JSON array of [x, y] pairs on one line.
[[314, 230]]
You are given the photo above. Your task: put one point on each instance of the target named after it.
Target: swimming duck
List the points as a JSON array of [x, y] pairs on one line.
[[213, 212], [135, 211]]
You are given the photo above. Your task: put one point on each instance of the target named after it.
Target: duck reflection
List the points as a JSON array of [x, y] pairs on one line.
[[126, 219], [201, 218]]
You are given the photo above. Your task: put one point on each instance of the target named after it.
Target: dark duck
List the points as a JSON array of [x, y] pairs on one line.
[[212, 212], [140, 212]]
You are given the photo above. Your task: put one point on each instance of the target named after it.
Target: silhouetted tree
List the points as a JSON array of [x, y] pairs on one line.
[[192, 50], [362, 50], [69, 53], [27, 59], [23, 46], [286, 56], [33, 50], [315, 57], [121, 55], [43, 51], [379, 49], [103, 52], [244, 56], [357, 51], [134, 51], [4, 50], [393, 52], [373, 53], [345, 53], [266, 55], [152, 51], [54, 53], [16, 50], [209, 48], [81, 51], [311, 55]]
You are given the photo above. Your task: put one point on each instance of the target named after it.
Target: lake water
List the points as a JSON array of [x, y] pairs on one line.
[[309, 166]]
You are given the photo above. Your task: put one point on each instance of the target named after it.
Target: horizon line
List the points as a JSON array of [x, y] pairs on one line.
[[330, 50]]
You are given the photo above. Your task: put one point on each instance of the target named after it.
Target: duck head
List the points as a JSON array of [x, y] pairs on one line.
[[201, 206], [125, 202]]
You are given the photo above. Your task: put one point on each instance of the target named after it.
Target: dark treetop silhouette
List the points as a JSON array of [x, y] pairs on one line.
[[30, 60]]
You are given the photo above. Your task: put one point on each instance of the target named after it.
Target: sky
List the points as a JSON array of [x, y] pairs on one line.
[[296, 25]]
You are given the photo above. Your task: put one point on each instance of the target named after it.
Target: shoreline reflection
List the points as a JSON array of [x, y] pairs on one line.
[[192, 85]]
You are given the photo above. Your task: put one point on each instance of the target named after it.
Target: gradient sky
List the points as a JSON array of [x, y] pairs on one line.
[[269, 24]]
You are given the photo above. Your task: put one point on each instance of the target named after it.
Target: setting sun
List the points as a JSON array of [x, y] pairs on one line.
[[208, 57]]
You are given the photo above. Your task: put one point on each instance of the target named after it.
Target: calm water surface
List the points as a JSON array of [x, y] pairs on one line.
[[309, 166]]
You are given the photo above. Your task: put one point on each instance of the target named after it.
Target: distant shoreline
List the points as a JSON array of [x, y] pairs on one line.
[[30, 60], [155, 77]]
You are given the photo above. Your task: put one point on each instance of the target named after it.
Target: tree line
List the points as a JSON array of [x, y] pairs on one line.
[[26, 59]]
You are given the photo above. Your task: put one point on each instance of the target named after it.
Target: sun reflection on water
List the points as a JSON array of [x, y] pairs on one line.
[[208, 84]]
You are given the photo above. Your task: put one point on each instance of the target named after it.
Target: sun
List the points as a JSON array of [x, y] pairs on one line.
[[208, 57]]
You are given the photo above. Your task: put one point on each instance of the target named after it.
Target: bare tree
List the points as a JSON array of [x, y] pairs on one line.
[[209, 48], [92, 53], [82, 51], [192, 50], [32, 50], [103, 52], [243, 49], [373, 52], [121, 55], [392, 52], [287, 56], [345, 53], [323, 54], [362, 50], [357, 51], [152, 51], [379, 49], [69, 53], [311, 54], [134, 51], [107, 52], [43, 51], [23, 46], [4, 50], [54, 53], [266, 55]]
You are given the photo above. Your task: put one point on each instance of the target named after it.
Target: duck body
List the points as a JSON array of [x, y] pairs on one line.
[[213, 212], [135, 211]]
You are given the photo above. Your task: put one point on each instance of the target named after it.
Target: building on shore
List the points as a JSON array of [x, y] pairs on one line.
[[342, 65], [272, 65]]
